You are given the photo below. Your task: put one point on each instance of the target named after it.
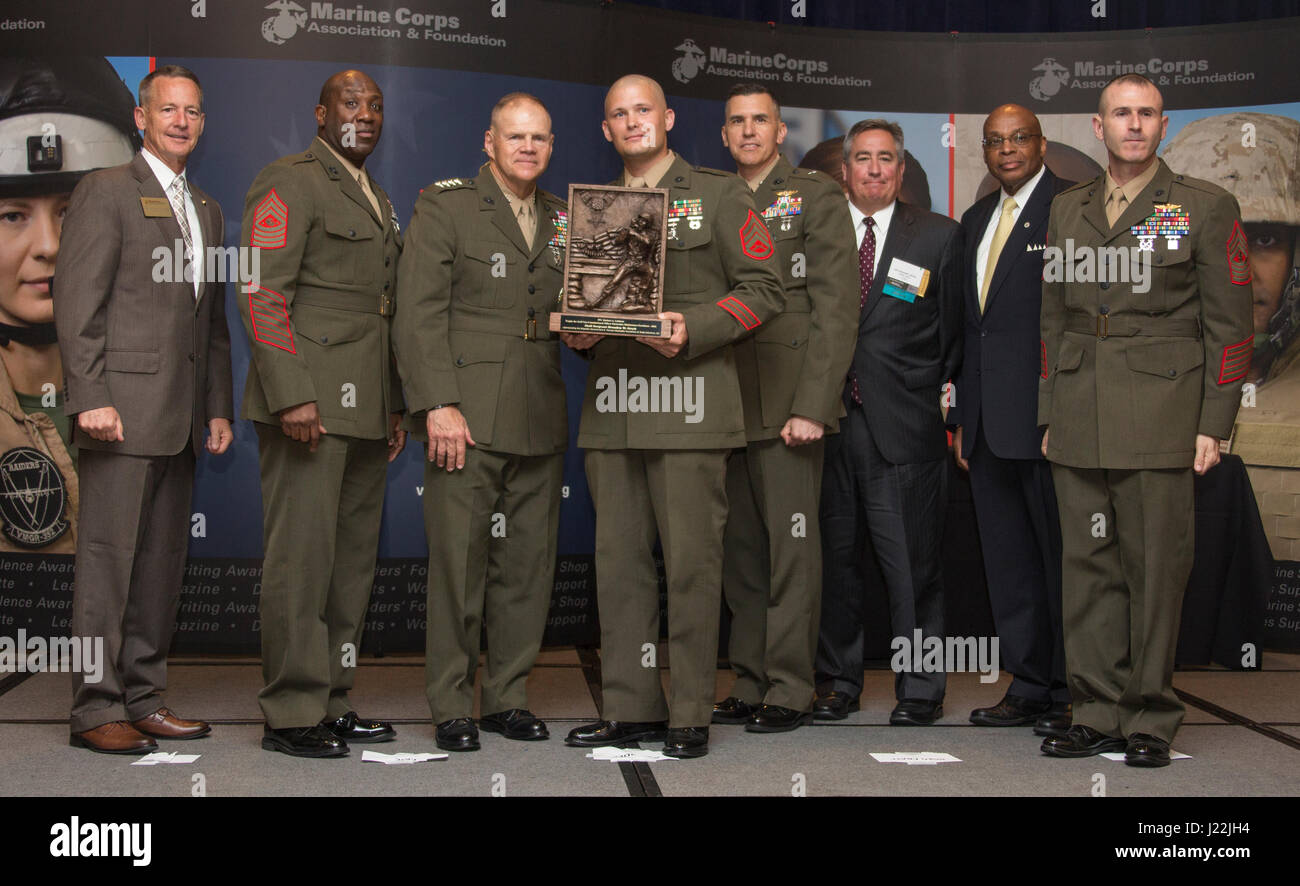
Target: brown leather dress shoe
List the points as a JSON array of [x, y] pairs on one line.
[[163, 724], [119, 737]]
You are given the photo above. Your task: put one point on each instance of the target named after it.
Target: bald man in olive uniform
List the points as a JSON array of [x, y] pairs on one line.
[[324, 397], [481, 370], [664, 474]]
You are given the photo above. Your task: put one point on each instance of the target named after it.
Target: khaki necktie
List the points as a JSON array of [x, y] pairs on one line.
[[1000, 236], [1116, 203], [527, 223], [637, 182], [364, 181]]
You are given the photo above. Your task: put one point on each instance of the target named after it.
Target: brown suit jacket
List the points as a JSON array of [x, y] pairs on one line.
[[147, 348]]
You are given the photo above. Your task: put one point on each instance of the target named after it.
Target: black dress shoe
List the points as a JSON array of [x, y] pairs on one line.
[[1081, 741], [774, 718], [1013, 710], [457, 735], [732, 710], [1146, 750], [916, 712], [834, 705], [615, 732], [304, 741], [691, 741], [350, 727], [1056, 721], [516, 723]]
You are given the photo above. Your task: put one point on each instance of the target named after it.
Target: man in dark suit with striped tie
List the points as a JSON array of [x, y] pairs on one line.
[[995, 420], [885, 469]]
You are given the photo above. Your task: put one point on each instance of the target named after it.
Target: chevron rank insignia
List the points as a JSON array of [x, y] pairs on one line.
[[270, 223], [1238, 256], [755, 241], [1236, 360]]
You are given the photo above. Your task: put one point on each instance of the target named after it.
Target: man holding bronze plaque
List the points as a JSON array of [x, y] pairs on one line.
[[663, 472], [482, 378], [791, 377]]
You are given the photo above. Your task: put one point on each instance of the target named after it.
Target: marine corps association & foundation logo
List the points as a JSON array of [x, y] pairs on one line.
[[686, 68], [1053, 75], [279, 28]]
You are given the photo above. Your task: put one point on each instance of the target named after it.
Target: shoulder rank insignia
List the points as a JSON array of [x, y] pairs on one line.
[[691, 209], [560, 237], [755, 241], [449, 183], [1168, 221], [787, 205], [1238, 256], [270, 223]]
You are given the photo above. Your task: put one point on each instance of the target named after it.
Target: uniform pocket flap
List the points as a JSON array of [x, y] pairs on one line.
[[471, 349], [491, 253], [1172, 359], [130, 361], [349, 230], [327, 327], [1070, 356]]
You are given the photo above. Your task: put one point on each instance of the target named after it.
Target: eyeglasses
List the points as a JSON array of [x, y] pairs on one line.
[[1019, 139]]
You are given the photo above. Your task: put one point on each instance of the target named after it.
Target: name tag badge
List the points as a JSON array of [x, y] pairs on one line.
[[906, 281], [156, 207]]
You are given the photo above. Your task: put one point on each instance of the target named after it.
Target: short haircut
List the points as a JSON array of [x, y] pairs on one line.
[[1127, 80], [866, 126], [752, 88], [146, 85], [513, 98]]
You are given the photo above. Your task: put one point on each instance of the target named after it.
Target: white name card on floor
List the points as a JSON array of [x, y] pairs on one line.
[[399, 759], [1119, 755], [164, 757], [628, 755], [915, 758]]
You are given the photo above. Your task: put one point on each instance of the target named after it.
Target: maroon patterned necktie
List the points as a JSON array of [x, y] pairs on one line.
[[866, 273]]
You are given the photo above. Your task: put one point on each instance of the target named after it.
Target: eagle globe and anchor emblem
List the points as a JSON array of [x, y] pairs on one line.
[[279, 28], [686, 68], [1048, 83]]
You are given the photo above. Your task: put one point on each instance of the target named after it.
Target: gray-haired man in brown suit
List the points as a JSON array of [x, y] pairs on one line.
[[147, 367]]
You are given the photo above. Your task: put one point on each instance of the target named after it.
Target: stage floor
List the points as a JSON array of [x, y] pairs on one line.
[[1242, 731]]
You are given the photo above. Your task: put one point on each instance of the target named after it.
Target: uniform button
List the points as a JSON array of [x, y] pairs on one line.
[[487, 200], [1105, 309], [1160, 193], [679, 179], [984, 333], [386, 261], [191, 358], [532, 312], [385, 287], [794, 342], [531, 289], [324, 339], [1172, 373], [778, 181], [351, 233], [460, 361], [531, 267], [1105, 284]]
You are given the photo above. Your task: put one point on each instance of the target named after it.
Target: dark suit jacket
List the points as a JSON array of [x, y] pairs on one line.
[[1001, 362], [907, 351], [148, 349]]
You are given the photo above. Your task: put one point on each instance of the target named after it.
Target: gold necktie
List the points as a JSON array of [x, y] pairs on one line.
[[364, 181], [527, 224], [1115, 206], [995, 248]]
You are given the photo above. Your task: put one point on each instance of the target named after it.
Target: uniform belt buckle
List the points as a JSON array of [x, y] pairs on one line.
[[384, 306], [530, 329], [1103, 326]]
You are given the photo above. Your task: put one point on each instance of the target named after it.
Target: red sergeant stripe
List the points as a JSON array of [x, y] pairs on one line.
[[738, 309]]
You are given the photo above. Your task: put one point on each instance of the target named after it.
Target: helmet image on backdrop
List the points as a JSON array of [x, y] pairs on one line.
[[59, 119]]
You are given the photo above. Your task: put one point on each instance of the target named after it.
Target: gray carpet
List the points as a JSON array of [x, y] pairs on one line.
[[822, 760]]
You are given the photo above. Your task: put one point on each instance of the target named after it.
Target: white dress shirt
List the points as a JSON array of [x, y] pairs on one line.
[[986, 242], [882, 219], [165, 178]]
